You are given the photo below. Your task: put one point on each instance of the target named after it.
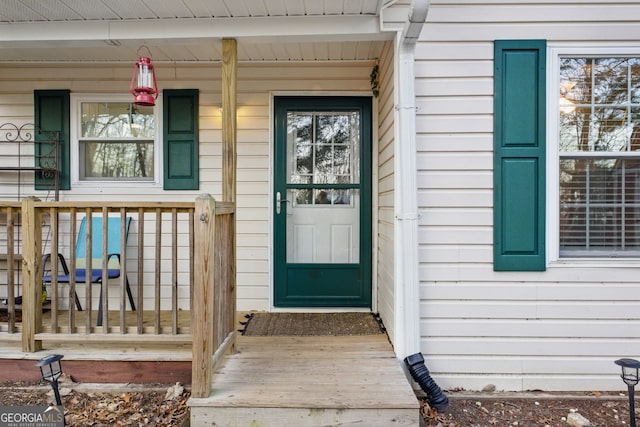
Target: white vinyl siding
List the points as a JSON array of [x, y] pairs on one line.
[[255, 83], [555, 330], [385, 226]]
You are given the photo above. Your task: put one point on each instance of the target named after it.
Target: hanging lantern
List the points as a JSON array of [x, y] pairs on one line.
[[143, 82]]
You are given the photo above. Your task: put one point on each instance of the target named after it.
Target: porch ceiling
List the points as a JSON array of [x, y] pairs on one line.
[[190, 30]]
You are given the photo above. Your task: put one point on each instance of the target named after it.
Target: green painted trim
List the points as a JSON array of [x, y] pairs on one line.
[[180, 139], [519, 155], [282, 271], [52, 114]]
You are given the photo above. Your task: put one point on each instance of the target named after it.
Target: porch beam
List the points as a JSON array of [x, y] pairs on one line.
[[181, 30]]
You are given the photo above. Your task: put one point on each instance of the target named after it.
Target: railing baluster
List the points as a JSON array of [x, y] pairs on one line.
[[157, 269], [73, 216], [140, 315], [53, 215], [191, 263], [174, 271], [11, 302], [103, 308], [88, 268], [123, 270]]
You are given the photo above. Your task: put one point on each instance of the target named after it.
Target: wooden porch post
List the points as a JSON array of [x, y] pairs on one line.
[[229, 155], [31, 275], [203, 296], [229, 124]]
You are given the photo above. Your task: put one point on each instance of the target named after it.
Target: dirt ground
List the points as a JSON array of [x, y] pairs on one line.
[[593, 409], [153, 406]]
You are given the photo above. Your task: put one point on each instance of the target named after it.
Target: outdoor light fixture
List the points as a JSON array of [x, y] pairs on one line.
[[51, 370], [629, 375], [143, 82]]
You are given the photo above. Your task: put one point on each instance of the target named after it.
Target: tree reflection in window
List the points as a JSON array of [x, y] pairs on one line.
[[324, 148], [116, 141], [599, 139]]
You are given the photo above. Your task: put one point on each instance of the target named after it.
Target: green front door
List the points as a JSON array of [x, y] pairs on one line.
[[322, 202]]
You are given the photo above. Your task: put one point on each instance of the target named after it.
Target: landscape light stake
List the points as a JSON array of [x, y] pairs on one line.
[[630, 377], [51, 369]]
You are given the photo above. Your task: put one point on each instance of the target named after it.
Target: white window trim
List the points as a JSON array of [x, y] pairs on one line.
[[554, 52], [75, 125]]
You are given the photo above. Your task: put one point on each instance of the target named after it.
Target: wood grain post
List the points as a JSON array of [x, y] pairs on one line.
[[229, 157], [32, 276], [203, 296], [229, 120]]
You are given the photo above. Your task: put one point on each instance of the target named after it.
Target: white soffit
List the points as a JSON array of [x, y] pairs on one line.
[[190, 30]]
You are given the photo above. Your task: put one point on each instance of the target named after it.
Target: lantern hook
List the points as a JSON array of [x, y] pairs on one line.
[[144, 46]]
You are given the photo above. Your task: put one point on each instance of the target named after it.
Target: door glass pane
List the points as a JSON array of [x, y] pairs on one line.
[[323, 148]]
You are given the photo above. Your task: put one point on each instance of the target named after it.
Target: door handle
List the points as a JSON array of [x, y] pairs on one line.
[[279, 201]]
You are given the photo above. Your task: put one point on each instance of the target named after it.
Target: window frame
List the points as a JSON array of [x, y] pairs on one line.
[[75, 136], [554, 53]]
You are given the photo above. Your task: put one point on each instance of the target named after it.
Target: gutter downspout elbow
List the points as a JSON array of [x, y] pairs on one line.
[[418, 12]]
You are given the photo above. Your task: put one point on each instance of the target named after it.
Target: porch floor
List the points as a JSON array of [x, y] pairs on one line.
[[309, 381]]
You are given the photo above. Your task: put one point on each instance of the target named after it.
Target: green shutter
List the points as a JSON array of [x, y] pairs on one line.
[[519, 155], [181, 169], [51, 116]]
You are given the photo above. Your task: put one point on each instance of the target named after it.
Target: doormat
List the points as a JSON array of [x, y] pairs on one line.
[[311, 324]]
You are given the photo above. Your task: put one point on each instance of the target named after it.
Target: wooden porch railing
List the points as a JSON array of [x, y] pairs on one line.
[[181, 255]]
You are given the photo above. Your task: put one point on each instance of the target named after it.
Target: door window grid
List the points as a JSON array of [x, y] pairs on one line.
[[326, 150]]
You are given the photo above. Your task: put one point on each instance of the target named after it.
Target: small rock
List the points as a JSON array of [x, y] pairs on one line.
[[174, 391], [65, 379], [576, 420], [489, 388], [62, 391]]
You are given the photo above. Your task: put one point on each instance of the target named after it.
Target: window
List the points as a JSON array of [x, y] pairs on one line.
[[106, 139], [599, 156], [116, 141]]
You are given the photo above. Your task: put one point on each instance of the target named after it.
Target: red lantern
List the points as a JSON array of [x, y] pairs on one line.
[[143, 82]]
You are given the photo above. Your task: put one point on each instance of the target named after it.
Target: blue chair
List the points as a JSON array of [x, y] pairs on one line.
[[113, 258]]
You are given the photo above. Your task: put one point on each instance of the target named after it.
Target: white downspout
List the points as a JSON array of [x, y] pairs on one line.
[[407, 282]]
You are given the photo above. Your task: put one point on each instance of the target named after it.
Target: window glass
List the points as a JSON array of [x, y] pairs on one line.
[[324, 148], [116, 141], [599, 164]]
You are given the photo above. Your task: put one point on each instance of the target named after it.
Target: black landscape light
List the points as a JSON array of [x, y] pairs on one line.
[[51, 369], [630, 377]]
